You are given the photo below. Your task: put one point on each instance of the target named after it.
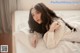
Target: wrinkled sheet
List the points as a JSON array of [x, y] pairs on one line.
[[22, 36], [23, 46]]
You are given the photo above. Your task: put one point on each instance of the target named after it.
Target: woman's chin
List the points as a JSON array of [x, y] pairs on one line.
[[39, 22]]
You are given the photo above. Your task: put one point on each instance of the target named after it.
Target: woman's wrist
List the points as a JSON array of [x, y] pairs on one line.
[[35, 36], [51, 30]]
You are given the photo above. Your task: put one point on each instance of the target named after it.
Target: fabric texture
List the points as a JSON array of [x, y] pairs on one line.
[[7, 7], [51, 39]]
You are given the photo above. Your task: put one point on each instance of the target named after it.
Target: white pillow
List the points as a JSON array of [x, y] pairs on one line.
[[21, 20]]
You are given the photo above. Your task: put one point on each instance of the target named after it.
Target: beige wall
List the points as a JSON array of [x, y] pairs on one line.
[[27, 4]]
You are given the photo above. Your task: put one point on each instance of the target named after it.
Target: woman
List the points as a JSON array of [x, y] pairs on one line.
[[44, 21]]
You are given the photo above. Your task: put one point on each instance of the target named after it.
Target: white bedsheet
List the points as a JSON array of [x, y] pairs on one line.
[[23, 46], [22, 40]]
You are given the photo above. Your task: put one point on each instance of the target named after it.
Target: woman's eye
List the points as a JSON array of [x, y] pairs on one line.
[[37, 12]]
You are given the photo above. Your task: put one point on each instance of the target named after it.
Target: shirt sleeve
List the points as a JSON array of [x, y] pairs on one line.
[[52, 39]]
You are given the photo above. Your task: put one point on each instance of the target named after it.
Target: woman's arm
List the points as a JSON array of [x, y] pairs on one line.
[[34, 39], [54, 35]]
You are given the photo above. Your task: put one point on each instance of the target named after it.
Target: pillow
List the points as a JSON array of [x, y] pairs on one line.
[[21, 20]]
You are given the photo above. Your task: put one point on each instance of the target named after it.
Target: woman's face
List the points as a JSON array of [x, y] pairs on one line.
[[36, 16]]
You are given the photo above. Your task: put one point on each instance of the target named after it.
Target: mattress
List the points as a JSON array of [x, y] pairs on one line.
[[21, 34]]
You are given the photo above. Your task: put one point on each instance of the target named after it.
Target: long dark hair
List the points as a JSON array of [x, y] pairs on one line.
[[47, 17]]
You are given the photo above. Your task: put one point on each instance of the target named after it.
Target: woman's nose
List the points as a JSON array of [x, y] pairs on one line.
[[36, 18]]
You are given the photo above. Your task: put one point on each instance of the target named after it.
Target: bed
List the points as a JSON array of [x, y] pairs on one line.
[[21, 34]]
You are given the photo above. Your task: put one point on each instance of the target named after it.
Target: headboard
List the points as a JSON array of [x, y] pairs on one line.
[[52, 4]]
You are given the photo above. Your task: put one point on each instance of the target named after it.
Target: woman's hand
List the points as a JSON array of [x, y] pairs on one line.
[[54, 26], [34, 41]]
